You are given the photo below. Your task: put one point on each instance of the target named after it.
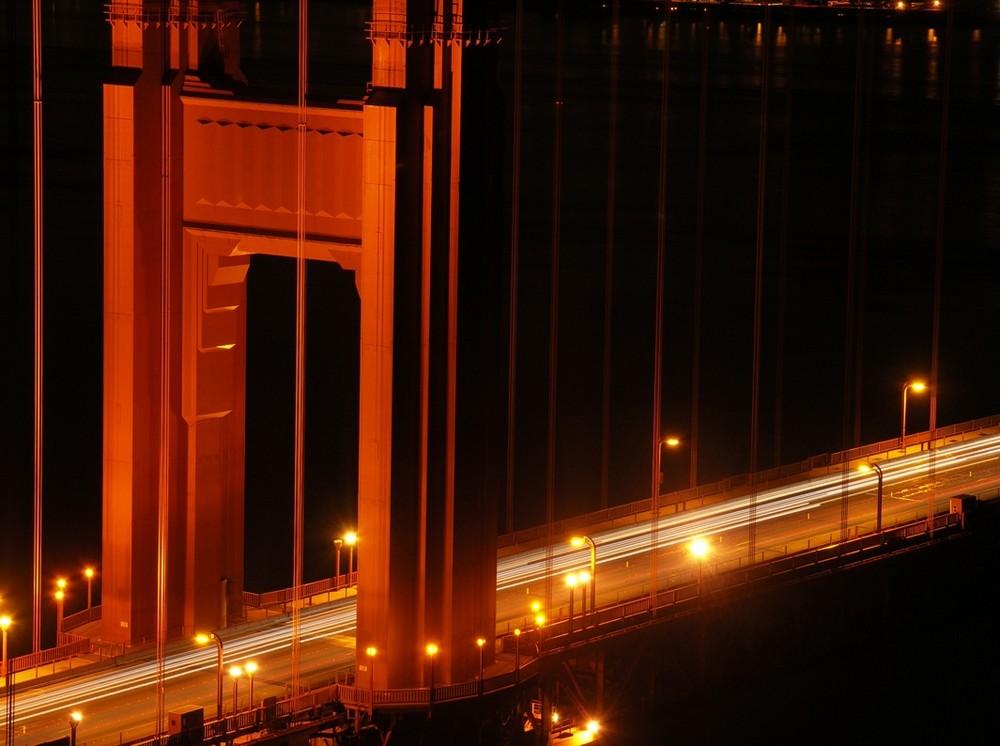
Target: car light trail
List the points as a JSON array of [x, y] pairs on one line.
[[516, 571]]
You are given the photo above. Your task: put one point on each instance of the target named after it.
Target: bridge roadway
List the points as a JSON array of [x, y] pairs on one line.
[[118, 697]]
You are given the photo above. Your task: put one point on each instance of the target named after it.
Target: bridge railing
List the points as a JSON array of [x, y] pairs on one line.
[[564, 635]]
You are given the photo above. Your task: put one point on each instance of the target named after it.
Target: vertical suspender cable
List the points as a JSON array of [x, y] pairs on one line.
[[939, 252], [699, 250], [36, 36], [779, 353], [864, 177], [851, 299], [661, 243], [163, 502], [550, 491], [515, 237], [765, 73], [300, 342], [609, 262]]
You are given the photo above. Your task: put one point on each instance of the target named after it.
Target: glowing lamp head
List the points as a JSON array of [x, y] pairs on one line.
[[699, 548], [235, 671], [250, 668], [370, 651], [432, 649], [350, 538], [480, 641]]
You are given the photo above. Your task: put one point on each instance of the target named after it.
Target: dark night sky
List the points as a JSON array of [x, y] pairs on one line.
[[807, 210]]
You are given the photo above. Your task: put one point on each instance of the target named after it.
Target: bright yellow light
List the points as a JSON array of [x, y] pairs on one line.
[[350, 538], [577, 541], [540, 620], [5, 622], [583, 576], [699, 548], [88, 572], [60, 595], [536, 606], [555, 717], [593, 726], [672, 441], [202, 638], [75, 716], [571, 580], [432, 649], [480, 641], [61, 583], [517, 630], [235, 671], [370, 651], [918, 385], [250, 667]]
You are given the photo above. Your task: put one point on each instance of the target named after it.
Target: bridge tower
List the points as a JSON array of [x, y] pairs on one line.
[[394, 194]]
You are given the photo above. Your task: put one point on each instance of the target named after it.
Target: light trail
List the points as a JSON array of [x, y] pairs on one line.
[[980, 457]]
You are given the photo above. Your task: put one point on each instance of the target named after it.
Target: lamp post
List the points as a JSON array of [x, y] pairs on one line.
[[670, 441], [202, 639], [878, 493], [370, 651], [917, 386], [432, 650], [584, 579], [250, 668], [481, 642], [571, 581], [60, 596], [578, 541], [337, 543], [235, 672], [517, 655], [74, 720], [5, 622], [88, 573], [350, 538], [699, 548]]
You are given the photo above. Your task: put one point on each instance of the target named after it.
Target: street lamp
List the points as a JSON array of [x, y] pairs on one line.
[[699, 548], [235, 672], [337, 543], [350, 538], [432, 650], [5, 622], [481, 642], [917, 386], [202, 639], [74, 720], [88, 573], [517, 655], [370, 651], [250, 668], [878, 499], [579, 541]]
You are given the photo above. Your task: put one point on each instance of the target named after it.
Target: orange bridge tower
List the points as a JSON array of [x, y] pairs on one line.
[[199, 178]]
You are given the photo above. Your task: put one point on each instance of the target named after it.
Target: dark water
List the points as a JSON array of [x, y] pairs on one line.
[[873, 174]]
